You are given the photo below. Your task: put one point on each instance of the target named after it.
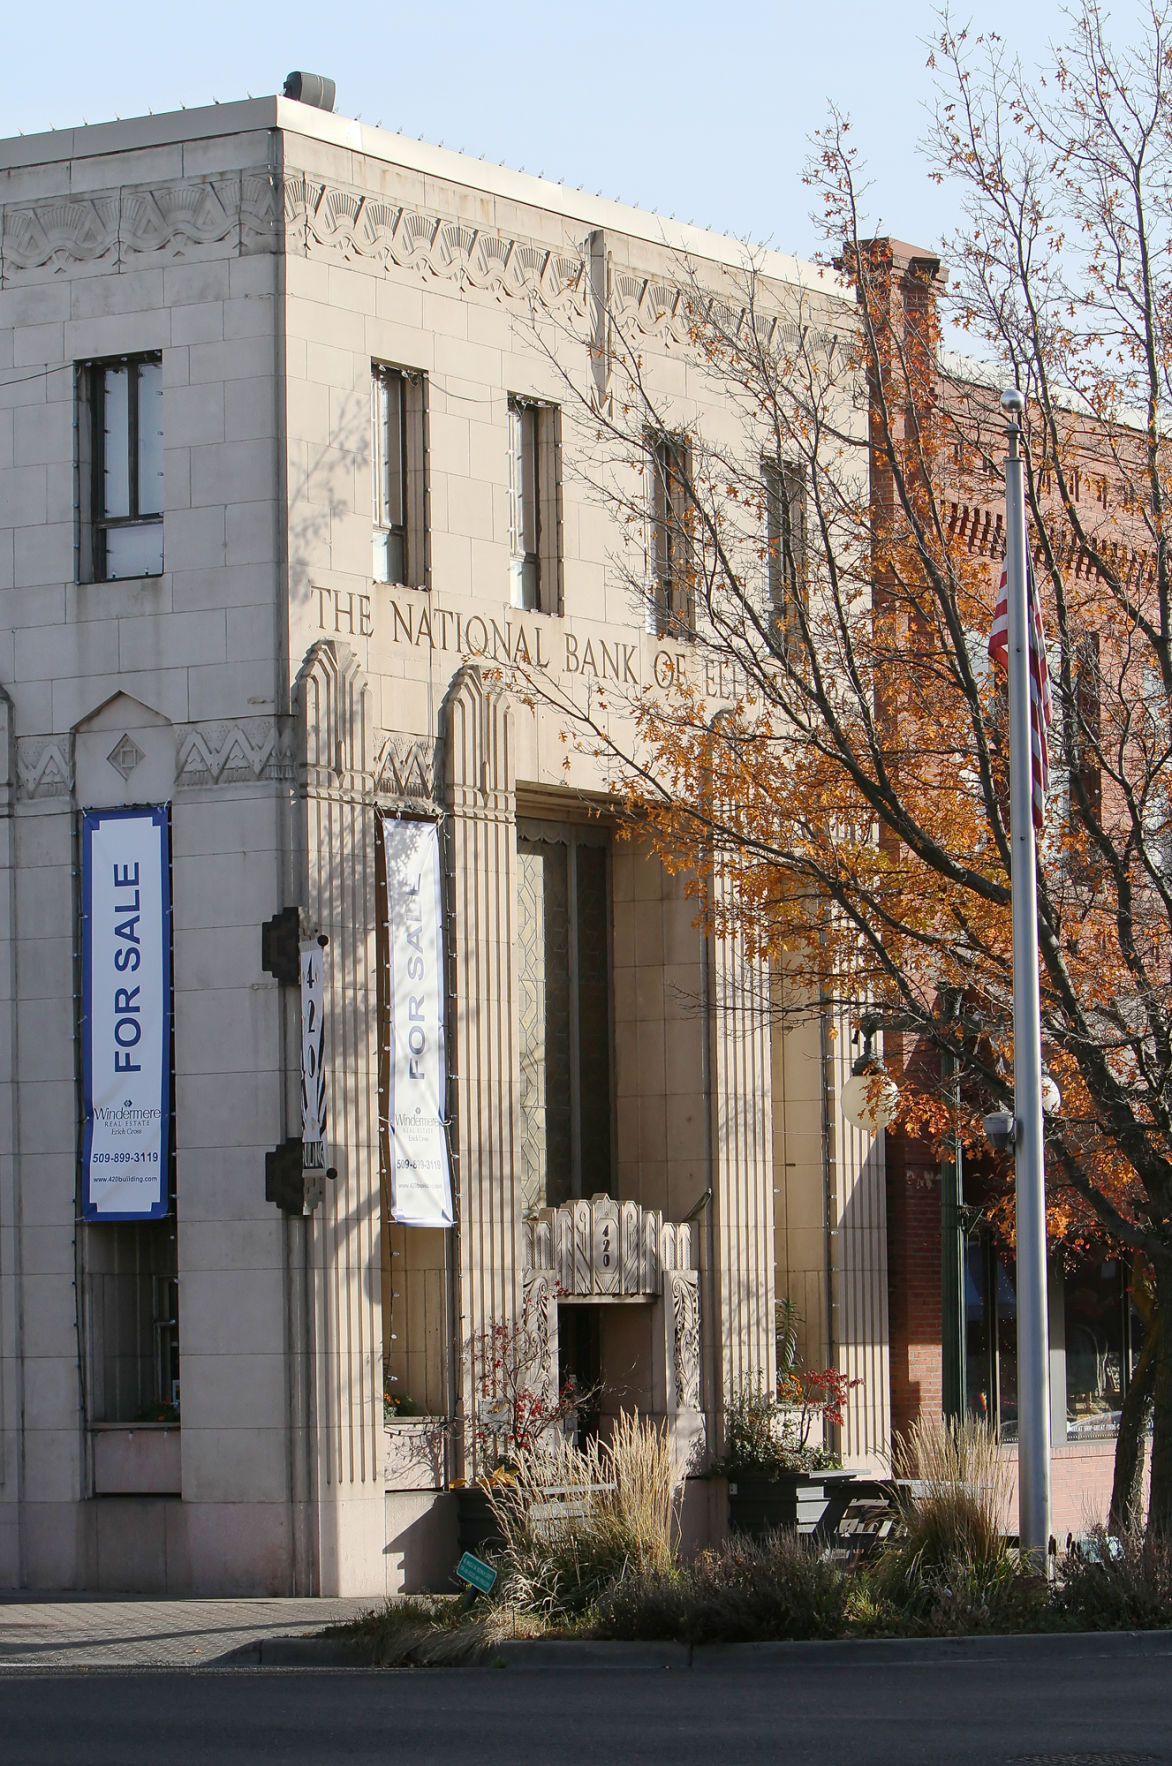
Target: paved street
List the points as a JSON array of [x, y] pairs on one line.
[[1077, 1708], [72, 1632]]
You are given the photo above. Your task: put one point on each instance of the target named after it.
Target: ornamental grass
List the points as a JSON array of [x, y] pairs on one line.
[[576, 1520]]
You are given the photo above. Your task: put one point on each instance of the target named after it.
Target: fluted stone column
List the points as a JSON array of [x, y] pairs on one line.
[[742, 1201], [337, 743], [479, 745], [862, 1333]]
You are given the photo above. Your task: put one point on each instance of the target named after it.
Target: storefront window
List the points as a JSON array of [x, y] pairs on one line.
[[1101, 1335], [1096, 1348]]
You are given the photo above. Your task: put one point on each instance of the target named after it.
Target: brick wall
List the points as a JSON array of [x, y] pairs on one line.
[[913, 1215]]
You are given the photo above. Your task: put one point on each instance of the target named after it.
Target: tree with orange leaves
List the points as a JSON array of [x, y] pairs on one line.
[[830, 561]]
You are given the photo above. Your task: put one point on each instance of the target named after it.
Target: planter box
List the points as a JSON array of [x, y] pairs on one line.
[[137, 1459], [798, 1502], [476, 1525]]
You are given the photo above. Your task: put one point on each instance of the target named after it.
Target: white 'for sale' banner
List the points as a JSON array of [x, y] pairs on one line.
[[126, 1013], [415, 1140]]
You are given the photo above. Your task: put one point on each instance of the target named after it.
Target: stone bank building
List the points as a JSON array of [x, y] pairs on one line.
[[290, 487]]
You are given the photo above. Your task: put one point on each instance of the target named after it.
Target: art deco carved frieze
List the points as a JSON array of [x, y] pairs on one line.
[[233, 753], [249, 212], [599, 1248], [405, 770], [44, 767], [348, 223], [238, 213]]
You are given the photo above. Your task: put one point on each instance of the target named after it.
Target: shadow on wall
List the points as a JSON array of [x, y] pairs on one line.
[[421, 1550]]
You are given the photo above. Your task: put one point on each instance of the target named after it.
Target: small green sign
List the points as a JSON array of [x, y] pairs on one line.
[[475, 1571]]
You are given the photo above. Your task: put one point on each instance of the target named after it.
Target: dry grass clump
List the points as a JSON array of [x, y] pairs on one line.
[[951, 1566], [422, 1630], [960, 1485], [775, 1588], [574, 1521]]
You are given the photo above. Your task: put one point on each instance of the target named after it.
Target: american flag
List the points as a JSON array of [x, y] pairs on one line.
[[1040, 708]]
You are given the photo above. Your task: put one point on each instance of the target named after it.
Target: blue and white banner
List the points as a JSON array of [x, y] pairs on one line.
[[126, 1013], [415, 1136]]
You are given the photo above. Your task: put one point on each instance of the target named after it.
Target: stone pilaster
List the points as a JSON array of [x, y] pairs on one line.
[[337, 746], [742, 1201], [479, 747], [861, 1329]]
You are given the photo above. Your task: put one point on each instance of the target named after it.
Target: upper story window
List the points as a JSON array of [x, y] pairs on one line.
[[673, 603], [121, 438], [397, 452], [534, 552], [785, 522]]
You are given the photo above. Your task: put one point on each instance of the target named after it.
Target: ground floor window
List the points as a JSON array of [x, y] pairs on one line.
[[132, 1321], [1094, 1329]]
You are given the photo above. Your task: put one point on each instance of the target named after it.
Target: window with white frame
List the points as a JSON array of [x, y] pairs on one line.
[[121, 441], [534, 491], [397, 453]]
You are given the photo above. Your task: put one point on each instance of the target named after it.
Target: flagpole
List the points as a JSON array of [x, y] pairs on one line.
[[1033, 1355]]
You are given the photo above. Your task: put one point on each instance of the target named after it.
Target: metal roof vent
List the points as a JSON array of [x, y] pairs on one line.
[[312, 89]]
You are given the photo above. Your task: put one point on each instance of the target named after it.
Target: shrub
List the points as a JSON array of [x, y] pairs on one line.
[[1119, 1585], [776, 1588], [574, 1521], [951, 1535], [766, 1436]]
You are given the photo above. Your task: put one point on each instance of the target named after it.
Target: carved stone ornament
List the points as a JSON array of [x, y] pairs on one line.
[[251, 211], [683, 1290], [44, 767], [237, 213], [405, 770], [233, 753], [601, 1248], [125, 755]]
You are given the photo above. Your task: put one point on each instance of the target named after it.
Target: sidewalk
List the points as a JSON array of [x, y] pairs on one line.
[[122, 1631]]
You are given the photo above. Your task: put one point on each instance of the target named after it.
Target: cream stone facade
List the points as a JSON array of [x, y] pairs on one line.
[[281, 701]]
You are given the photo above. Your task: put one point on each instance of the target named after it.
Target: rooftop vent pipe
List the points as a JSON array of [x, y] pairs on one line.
[[312, 89]]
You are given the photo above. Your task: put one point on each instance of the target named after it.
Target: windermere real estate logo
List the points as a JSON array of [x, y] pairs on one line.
[[126, 1013]]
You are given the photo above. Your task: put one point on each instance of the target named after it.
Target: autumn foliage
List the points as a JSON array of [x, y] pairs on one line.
[[841, 805]]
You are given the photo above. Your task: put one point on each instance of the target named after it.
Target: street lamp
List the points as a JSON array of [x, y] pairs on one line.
[[870, 1097]]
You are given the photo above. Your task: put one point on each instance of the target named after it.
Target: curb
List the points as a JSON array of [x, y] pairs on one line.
[[561, 1652], [298, 1652], [532, 1653]]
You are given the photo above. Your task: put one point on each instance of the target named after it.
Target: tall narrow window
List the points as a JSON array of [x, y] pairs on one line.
[[125, 468], [673, 606], [1088, 727], [397, 449], [534, 553], [785, 521], [132, 1321], [564, 992]]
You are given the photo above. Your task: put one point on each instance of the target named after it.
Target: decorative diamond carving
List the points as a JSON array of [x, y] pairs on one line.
[[125, 755]]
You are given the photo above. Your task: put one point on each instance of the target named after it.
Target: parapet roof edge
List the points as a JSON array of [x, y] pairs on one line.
[[247, 115]]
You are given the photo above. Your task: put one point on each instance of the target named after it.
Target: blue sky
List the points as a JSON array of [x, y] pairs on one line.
[[695, 110]]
